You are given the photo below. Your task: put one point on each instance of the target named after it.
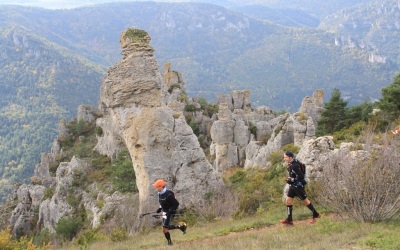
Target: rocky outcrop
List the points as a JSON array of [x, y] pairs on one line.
[[160, 142], [22, 218], [87, 113], [230, 136], [285, 129], [315, 152], [313, 106], [57, 206]]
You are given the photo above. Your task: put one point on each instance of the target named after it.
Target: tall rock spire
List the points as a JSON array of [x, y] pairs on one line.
[[161, 144], [136, 80]]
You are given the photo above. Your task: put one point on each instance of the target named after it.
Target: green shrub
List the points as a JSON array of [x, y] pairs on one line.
[[264, 138], [118, 235], [98, 131], [48, 193], [208, 109], [190, 108], [72, 199], [278, 129], [253, 129], [276, 157], [100, 161], [172, 87], [257, 188], [53, 168], [124, 178], [291, 147], [88, 236], [238, 178], [8, 243], [195, 127], [43, 238], [183, 97], [349, 134], [67, 228]]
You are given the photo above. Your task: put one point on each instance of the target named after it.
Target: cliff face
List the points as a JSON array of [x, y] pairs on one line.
[[133, 100]]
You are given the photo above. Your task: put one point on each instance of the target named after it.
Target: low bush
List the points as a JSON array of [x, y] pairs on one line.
[[118, 234], [67, 228], [365, 185]]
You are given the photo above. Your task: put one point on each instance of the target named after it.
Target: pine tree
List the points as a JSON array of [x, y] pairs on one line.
[[389, 104], [334, 114]]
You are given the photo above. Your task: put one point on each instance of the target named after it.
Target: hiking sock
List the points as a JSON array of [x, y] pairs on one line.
[[168, 237], [289, 212], [311, 207]]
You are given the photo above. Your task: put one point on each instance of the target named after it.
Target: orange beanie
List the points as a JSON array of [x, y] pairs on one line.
[[159, 183]]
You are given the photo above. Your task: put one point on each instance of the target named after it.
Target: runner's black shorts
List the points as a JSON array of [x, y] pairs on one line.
[[297, 191]]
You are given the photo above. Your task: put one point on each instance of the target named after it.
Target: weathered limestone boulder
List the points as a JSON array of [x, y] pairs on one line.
[[230, 136], [241, 99], [313, 106], [56, 207], [161, 143], [22, 218], [41, 173], [87, 113], [119, 209], [62, 128], [226, 99], [282, 130], [314, 153], [110, 142]]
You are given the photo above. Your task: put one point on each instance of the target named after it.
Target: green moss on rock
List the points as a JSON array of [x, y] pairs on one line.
[[136, 35]]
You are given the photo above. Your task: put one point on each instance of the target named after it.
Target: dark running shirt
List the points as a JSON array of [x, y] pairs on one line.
[[167, 201], [295, 172]]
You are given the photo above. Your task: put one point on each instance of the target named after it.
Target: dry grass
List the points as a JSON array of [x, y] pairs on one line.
[[263, 232]]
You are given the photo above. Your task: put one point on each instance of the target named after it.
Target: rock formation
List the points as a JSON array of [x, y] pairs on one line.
[[22, 218], [160, 142]]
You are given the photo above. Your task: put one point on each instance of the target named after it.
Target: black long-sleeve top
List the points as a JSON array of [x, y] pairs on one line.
[[295, 172], [167, 200]]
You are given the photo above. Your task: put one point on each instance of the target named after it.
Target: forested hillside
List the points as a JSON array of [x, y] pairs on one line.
[[53, 60], [40, 84]]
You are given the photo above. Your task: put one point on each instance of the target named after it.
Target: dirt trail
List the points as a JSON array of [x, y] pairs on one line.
[[232, 235]]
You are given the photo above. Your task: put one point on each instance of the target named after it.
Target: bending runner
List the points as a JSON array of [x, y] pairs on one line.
[[168, 207]]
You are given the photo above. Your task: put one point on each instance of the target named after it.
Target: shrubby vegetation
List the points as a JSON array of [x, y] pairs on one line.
[[366, 189], [337, 116], [8, 243], [124, 178]]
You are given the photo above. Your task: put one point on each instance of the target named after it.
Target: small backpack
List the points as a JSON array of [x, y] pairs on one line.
[[302, 167]]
